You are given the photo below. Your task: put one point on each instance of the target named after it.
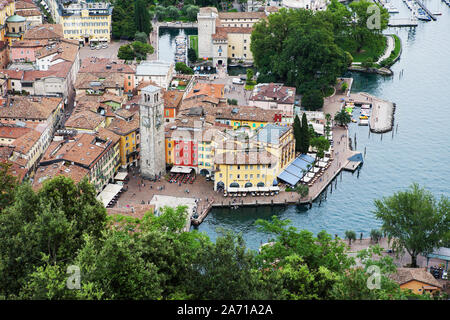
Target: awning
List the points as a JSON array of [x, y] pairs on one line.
[[296, 170], [274, 188], [179, 169], [252, 189], [306, 179], [108, 194], [121, 176], [263, 189], [231, 189], [322, 164]]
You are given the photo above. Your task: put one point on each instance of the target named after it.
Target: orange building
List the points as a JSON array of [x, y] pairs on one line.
[[206, 90], [418, 280], [172, 101]]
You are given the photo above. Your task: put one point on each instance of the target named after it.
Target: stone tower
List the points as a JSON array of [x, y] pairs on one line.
[[152, 152], [206, 19]]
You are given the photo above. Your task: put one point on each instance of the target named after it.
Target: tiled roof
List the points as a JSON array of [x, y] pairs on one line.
[[29, 13], [94, 64], [84, 120], [122, 127], [154, 68], [206, 89], [108, 135], [273, 92], [172, 98], [45, 31], [64, 50], [97, 81], [12, 132], [24, 143], [30, 108], [404, 275], [24, 5], [43, 173], [245, 113], [29, 43], [226, 30]]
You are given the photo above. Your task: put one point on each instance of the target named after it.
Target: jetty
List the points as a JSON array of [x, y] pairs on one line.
[[420, 3], [406, 22]]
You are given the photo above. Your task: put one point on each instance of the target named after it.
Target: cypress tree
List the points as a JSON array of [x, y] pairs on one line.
[[304, 134], [297, 133]]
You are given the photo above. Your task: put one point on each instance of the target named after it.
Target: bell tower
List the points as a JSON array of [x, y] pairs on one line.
[[152, 151]]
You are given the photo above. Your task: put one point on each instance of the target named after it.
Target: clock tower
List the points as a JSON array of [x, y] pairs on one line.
[[152, 151]]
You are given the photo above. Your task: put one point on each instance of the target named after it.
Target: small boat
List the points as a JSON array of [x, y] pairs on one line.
[[423, 17], [364, 117], [437, 13], [353, 120]]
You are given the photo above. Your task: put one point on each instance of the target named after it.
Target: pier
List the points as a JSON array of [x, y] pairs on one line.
[[432, 16], [406, 22]]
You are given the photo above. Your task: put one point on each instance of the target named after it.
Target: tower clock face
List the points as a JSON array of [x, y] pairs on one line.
[[146, 122]]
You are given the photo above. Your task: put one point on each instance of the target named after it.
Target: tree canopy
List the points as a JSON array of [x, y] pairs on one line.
[[415, 220]]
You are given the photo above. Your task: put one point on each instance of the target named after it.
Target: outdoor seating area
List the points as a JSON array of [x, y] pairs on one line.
[[253, 191], [110, 195], [182, 178]]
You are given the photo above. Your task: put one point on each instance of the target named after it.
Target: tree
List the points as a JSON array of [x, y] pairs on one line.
[[160, 12], [344, 87], [141, 37], [141, 50], [191, 12], [123, 20], [307, 57], [142, 17], [302, 190], [375, 235], [342, 117], [192, 55], [172, 12], [414, 220], [8, 185], [312, 100], [306, 137], [350, 235], [181, 67], [297, 134], [321, 144], [249, 76], [50, 223], [126, 52]]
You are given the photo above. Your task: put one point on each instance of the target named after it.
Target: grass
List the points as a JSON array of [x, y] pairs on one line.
[[249, 87], [398, 47], [372, 51], [193, 41]]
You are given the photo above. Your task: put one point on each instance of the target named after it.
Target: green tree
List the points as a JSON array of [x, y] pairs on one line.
[[141, 37], [415, 220], [305, 135], [342, 117], [142, 17], [375, 235], [160, 13], [191, 12], [344, 87], [192, 55], [302, 190], [350, 235], [123, 21], [249, 76], [307, 57], [141, 50], [298, 134], [181, 67], [312, 100], [8, 185], [172, 12], [51, 222], [126, 52], [321, 144]]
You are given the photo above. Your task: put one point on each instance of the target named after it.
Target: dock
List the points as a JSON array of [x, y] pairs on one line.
[[432, 16], [406, 22]]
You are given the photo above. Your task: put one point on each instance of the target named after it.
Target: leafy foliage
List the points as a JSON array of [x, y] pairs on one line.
[[181, 67]]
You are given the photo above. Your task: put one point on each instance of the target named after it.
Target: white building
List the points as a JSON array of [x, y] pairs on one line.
[[159, 72], [153, 147]]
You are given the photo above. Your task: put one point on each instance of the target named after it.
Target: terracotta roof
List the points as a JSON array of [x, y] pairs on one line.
[[405, 275], [24, 5], [107, 135], [122, 127], [144, 84], [63, 50], [28, 13], [84, 120], [172, 98], [138, 211], [242, 15], [24, 143], [245, 113], [45, 31], [124, 113], [12, 132], [43, 173], [6, 152], [273, 92], [15, 169], [96, 81], [29, 43], [94, 64], [226, 30], [13, 74], [83, 149], [30, 108], [206, 89]]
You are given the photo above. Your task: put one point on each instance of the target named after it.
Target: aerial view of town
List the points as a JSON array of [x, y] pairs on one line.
[[259, 150]]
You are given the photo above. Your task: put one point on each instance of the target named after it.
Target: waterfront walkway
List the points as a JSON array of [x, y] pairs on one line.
[[389, 48]]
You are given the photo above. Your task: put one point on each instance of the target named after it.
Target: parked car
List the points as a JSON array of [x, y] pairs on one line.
[[237, 81], [104, 46]]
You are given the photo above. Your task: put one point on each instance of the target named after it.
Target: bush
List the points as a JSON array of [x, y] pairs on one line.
[[183, 68], [312, 100], [232, 102]]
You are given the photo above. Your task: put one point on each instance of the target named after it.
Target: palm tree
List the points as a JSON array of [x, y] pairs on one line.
[[350, 235], [342, 117]]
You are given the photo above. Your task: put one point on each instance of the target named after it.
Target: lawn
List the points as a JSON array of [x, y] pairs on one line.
[[193, 41], [372, 51], [398, 46]]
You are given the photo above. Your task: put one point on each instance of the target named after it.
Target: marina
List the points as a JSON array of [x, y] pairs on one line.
[[181, 48]]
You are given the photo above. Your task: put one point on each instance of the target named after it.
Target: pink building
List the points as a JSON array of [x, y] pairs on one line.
[[25, 50], [274, 96]]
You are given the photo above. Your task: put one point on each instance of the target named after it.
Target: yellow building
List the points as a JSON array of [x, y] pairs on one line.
[[126, 125], [7, 9], [85, 22]]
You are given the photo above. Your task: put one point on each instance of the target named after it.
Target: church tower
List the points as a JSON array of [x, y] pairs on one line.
[[152, 151]]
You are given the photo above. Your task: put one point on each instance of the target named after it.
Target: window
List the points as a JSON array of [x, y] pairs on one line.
[[246, 176], [251, 176], [231, 176], [246, 167], [238, 176], [239, 167]]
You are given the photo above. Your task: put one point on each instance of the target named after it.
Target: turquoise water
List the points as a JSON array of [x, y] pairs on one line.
[[418, 152]]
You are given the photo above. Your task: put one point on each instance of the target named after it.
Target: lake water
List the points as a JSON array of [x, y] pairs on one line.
[[418, 152]]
